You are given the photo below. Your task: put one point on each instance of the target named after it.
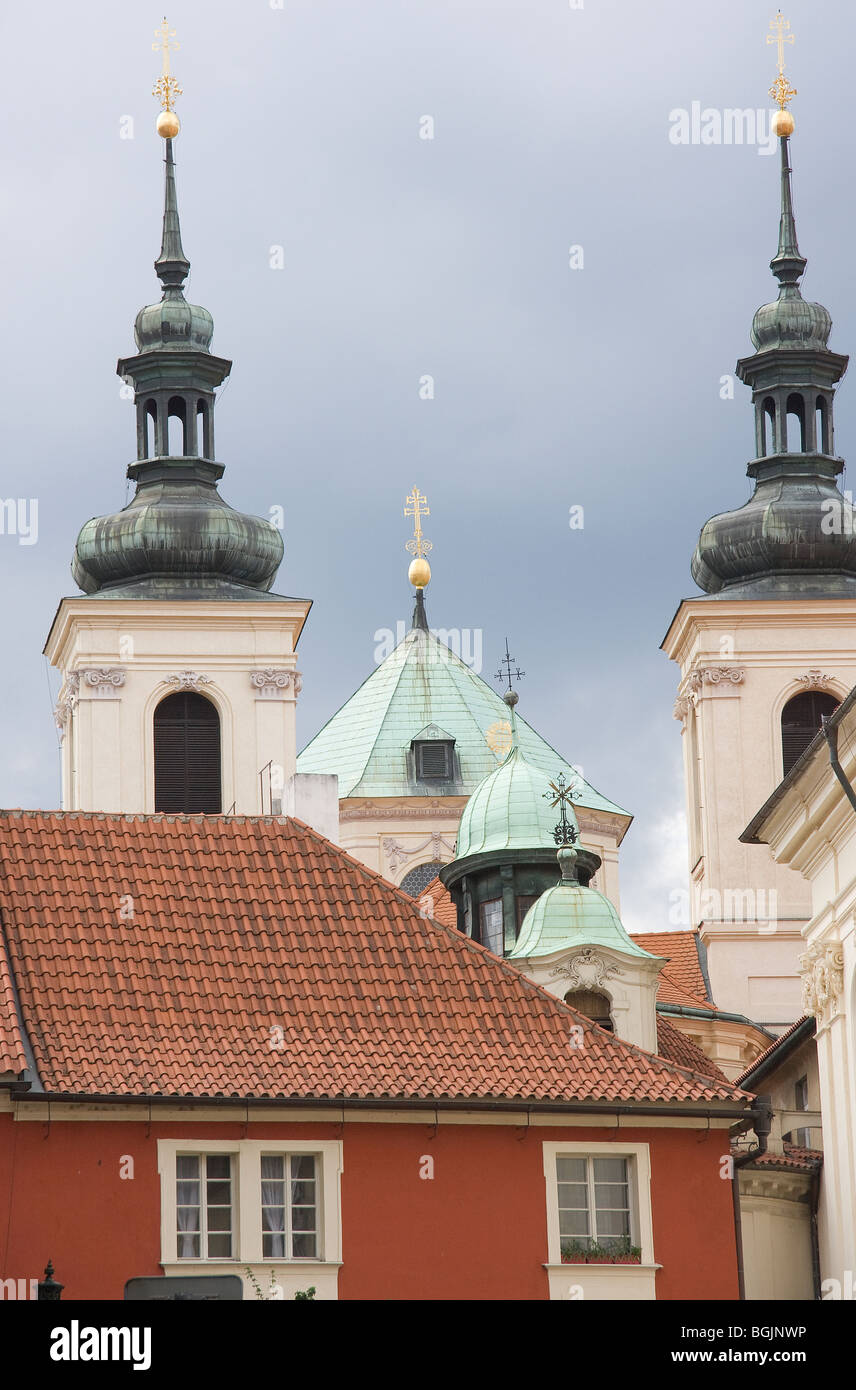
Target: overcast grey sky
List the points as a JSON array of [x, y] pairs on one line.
[[554, 387]]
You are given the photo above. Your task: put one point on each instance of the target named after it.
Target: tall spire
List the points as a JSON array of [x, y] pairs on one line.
[[171, 265], [787, 265], [177, 538], [782, 542]]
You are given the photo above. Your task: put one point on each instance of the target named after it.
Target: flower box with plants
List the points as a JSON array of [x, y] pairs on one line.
[[619, 1253]]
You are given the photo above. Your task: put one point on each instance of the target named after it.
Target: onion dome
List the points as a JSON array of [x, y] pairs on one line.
[[796, 536], [177, 537], [572, 915], [508, 809]]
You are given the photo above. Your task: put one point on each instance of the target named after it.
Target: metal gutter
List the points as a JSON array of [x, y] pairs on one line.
[[701, 1110]]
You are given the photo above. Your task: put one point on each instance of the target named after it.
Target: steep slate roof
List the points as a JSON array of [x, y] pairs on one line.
[[244, 926], [423, 682]]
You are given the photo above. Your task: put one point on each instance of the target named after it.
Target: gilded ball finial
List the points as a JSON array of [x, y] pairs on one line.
[[168, 125], [419, 573], [782, 123]]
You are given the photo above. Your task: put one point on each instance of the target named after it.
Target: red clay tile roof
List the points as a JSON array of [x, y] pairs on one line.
[[245, 926], [681, 981], [795, 1159], [675, 1045], [12, 1056], [684, 967]]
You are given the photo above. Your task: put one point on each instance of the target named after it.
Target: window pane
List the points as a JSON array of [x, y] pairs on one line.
[[219, 1194], [491, 925], [573, 1194], [187, 1194], [219, 1218], [570, 1169], [303, 1247], [187, 1166], [219, 1165], [188, 1246], [610, 1170], [273, 1167], [220, 1247], [303, 1166], [573, 1223]]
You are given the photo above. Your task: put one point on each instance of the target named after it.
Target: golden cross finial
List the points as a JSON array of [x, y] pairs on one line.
[[166, 88], [417, 508], [781, 90]]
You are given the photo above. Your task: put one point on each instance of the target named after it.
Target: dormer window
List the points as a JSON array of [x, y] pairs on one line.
[[434, 761], [434, 756]]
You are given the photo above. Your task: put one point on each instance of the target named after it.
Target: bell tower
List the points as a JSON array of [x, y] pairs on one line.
[[179, 666], [767, 649]]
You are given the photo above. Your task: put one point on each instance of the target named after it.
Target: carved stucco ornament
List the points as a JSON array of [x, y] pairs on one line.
[[187, 680], [68, 696], [822, 975], [104, 680], [813, 679], [272, 683], [586, 970], [398, 854]]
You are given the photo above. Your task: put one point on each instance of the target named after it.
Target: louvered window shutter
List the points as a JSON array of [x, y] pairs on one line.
[[801, 719], [187, 755]]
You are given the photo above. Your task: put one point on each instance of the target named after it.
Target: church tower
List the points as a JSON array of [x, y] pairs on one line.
[[768, 649], [179, 669]]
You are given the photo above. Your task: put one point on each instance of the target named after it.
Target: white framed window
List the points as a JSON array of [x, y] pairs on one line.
[[205, 1209], [250, 1202], [598, 1196]]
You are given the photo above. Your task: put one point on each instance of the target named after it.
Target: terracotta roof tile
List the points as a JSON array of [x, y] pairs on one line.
[[795, 1159], [681, 981], [780, 1041], [675, 1045], [232, 956]]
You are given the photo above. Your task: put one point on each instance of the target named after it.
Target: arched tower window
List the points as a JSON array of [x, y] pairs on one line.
[[150, 422], [795, 424], [593, 1005], [187, 755], [801, 719], [203, 430], [768, 427], [177, 426]]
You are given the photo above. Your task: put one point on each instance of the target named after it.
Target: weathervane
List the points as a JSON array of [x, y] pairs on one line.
[[166, 89], [508, 661], [419, 573], [561, 794], [781, 90]]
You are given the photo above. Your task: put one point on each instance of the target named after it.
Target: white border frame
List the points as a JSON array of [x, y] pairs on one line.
[[247, 1180], [640, 1192]]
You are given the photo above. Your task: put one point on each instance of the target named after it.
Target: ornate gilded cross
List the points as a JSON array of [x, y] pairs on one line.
[[508, 662], [781, 90], [166, 88], [417, 509], [561, 794]]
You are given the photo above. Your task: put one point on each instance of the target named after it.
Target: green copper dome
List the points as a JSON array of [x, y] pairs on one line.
[[508, 810], [177, 538], [796, 536], [570, 915]]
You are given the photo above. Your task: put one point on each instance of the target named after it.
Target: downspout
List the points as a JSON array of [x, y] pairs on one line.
[[763, 1110], [831, 734], [813, 1201]]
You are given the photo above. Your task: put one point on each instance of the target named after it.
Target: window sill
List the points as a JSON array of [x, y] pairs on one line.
[[632, 1283], [291, 1275]]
